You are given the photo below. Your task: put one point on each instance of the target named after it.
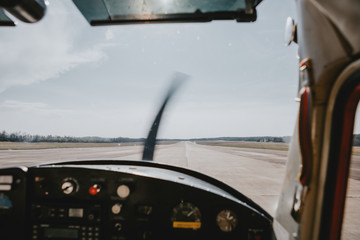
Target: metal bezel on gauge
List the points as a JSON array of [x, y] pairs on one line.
[[226, 220], [69, 186]]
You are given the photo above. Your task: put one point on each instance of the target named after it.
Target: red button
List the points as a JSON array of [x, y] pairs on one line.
[[95, 189]]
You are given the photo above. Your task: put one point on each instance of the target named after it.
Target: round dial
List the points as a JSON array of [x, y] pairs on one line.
[[69, 186], [186, 215], [116, 208], [226, 220], [123, 191]]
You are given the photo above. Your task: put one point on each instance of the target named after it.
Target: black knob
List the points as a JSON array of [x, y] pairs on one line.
[[118, 227]]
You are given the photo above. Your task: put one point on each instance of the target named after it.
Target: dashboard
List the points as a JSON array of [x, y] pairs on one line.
[[118, 200]]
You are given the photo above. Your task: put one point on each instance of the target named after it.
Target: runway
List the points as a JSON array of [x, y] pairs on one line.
[[257, 173]]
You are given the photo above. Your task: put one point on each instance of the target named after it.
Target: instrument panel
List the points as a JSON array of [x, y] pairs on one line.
[[93, 202]]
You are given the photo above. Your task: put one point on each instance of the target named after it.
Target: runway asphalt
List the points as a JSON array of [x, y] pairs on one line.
[[257, 173]]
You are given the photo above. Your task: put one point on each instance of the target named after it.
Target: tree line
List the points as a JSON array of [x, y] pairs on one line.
[[356, 141], [24, 137]]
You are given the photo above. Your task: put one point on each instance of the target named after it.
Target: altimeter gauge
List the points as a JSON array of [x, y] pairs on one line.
[[226, 220]]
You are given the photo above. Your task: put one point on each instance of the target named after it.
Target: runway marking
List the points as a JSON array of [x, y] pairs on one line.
[[186, 154]]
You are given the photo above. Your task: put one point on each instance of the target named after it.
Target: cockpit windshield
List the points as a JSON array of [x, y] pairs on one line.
[[71, 91]]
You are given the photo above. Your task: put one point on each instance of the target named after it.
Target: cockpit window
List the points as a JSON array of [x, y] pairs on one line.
[[67, 82]]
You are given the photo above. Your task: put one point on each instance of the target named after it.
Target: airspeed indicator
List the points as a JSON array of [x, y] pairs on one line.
[[187, 216]]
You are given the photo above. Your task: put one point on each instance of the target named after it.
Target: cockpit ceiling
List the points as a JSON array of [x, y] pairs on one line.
[[100, 12]]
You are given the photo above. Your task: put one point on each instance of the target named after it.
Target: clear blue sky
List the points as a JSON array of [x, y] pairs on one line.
[[63, 77]]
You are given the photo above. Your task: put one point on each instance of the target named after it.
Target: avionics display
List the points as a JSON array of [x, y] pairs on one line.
[[66, 233]]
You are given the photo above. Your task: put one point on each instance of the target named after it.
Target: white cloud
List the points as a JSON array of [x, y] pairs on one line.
[[18, 105], [33, 107], [109, 35], [37, 52]]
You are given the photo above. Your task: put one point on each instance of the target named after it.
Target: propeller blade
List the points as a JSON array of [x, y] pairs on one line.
[[149, 145]]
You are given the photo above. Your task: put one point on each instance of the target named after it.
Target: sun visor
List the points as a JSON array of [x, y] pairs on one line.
[[5, 20], [29, 11], [110, 12]]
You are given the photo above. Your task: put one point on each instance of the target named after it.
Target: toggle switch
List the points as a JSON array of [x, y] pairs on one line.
[[94, 189]]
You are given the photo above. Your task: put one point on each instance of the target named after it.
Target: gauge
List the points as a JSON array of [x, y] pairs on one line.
[[226, 220], [69, 186], [186, 215], [123, 191]]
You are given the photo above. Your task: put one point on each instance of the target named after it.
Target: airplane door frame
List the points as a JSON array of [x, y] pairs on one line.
[[337, 149]]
